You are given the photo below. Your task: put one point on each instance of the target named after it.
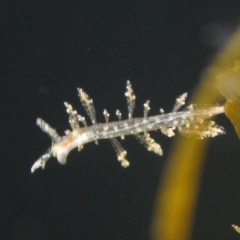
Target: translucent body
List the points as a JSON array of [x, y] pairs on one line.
[[191, 122]]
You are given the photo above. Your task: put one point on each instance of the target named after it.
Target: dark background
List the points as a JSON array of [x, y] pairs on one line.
[[48, 49]]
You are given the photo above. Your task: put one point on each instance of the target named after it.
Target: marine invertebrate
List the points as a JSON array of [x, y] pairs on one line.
[[193, 121]]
